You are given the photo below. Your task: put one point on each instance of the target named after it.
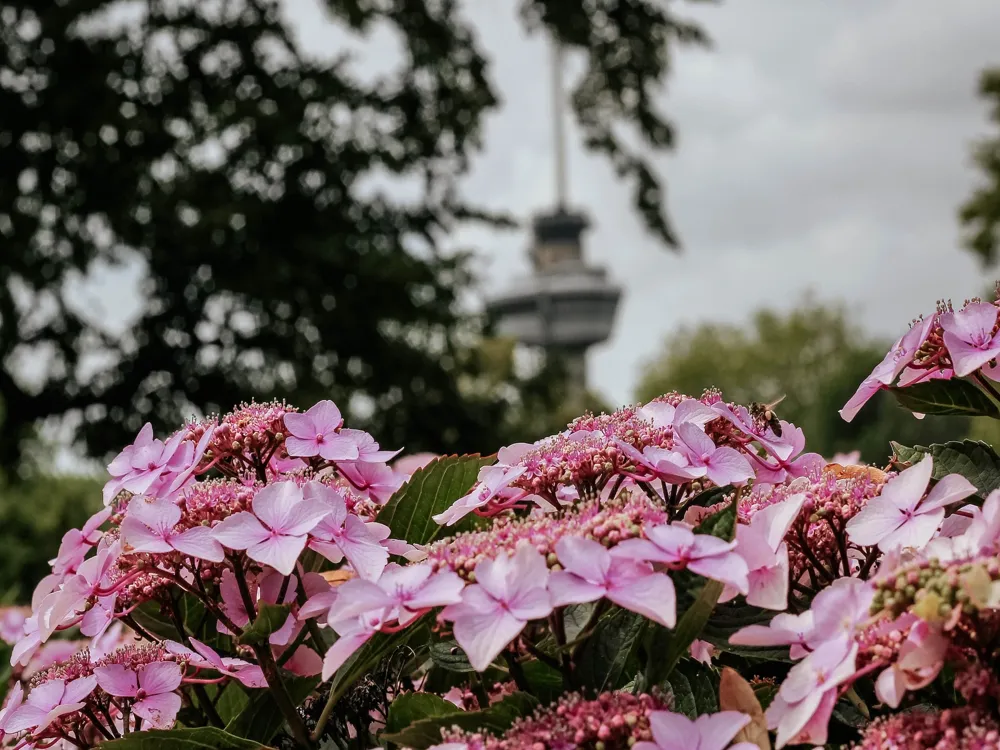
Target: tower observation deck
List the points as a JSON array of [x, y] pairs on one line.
[[565, 305]]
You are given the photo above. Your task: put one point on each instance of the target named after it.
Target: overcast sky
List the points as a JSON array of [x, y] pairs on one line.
[[822, 146]]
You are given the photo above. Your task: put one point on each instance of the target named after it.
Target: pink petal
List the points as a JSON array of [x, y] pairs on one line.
[[949, 489], [160, 677], [325, 416], [673, 730], [304, 662], [906, 488], [252, 676], [691, 410], [299, 447], [159, 710], [769, 586], [728, 466], [342, 650], [914, 533], [975, 319], [967, 358], [330, 550], [889, 687], [301, 426], [652, 596], [569, 588], [777, 519], [586, 558], [24, 717], [484, 636], [442, 588], [366, 555], [339, 448], [729, 568], [790, 719], [868, 388], [273, 504], [199, 542], [717, 730], [117, 680], [240, 531], [335, 500], [695, 439], [876, 521], [356, 597], [138, 537], [280, 552]]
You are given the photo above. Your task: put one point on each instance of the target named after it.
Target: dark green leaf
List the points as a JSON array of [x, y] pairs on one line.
[[722, 523], [449, 655], [426, 732], [668, 646], [710, 496], [381, 646], [260, 719], [270, 618], [232, 701], [973, 459], [200, 738], [946, 397], [430, 491], [412, 707], [607, 658], [693, 689], [545, 681], [575, 618]]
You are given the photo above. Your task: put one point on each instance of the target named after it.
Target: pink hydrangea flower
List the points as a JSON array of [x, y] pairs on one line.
[[205, 657], [708, 732], [896, 360], [276, 532], [901, 516], [368, 449], [15, 696], [740, 417], [701, 651], [492, 480], [762, 546], [680, 548], [921, 657], [591, 573], [151, 689], [77, 543], [839, 611], [315, 433], [49, 701], [670, 466], [802, 708], [722, 465], [374, 480], [149, 527], [666, 415], [970, 337], [340, 534], [152, 467], [509, 592]]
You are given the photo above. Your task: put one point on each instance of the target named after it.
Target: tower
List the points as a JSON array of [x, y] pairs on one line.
[[564, 305]]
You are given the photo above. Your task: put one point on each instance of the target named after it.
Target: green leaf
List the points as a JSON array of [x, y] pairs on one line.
[[431, 490], [270, 618], [374, 651], [155, 618], [544, 681], [693, 690], [708, 497], [412, 707], [607, 659], [973, 459], [200, 738], [449, 655], [425, 732], [576, 617], [946, 397], [260, 719], [722, 523]]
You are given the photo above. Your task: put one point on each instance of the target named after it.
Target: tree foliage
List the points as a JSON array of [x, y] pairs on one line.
[[813, 356], [197, 144], [980, 215]]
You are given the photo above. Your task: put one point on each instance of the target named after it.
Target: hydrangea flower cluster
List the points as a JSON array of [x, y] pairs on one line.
[[616, 564]]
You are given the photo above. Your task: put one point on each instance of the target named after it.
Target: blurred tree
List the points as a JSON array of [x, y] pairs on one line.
[[34, 515], [814, 357], [194, 143], [981, 213]]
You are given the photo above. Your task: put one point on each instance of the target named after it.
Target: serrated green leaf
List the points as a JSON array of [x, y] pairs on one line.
[[431, 490], [426, 732], [946, 397], [544, 681], [607, 659], [693, 690], [449, 655], [260, 719], [973, 459], [270, 618], [200, 738]]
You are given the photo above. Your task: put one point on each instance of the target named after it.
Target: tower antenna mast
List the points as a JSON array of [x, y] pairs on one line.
[[559, 125]]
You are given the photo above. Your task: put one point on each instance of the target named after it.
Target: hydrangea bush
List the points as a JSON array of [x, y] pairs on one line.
[[681, 575]]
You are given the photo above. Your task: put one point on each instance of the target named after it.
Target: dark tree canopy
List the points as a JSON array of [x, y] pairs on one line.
[[981, 213], [194, 141]]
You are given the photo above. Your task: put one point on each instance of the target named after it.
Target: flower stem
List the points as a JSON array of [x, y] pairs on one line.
[[281, 697]]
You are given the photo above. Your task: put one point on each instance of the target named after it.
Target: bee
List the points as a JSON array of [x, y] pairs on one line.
[[764, 413]]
